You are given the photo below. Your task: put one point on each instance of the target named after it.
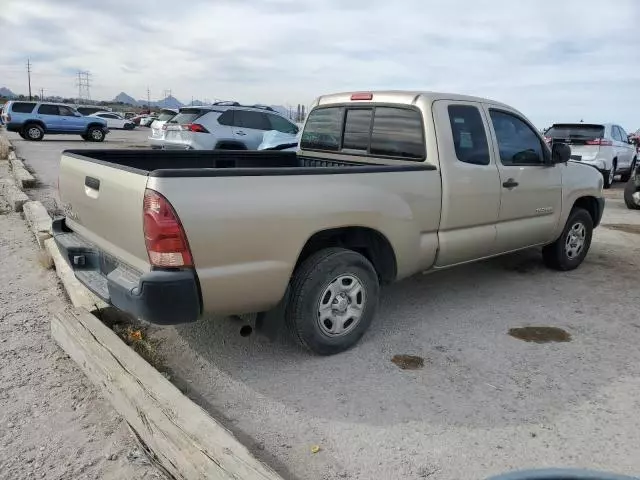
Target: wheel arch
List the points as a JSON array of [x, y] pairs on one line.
[[94, 124], [367, 241], [591, 205], [40, 123]]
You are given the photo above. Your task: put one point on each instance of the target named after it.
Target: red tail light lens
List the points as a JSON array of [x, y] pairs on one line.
[[195, 127], [163, 233], [600, 141], [362, 96]]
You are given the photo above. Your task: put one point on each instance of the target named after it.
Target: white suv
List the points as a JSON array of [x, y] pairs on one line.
[[223, 126], [603, 146]]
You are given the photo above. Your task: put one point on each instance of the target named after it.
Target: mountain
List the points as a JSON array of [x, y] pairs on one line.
[[5, 92], [169, 102], [126, 99]]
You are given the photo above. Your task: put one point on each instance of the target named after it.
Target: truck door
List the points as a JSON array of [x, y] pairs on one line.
[[531, 189], [470, 183]]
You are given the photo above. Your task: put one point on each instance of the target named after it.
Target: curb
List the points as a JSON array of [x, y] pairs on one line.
[[182, 438], [5, 147], [20, 173], [38, 220]]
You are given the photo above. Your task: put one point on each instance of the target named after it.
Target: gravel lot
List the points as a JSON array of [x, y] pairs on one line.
[[483, 403], [53, 425]]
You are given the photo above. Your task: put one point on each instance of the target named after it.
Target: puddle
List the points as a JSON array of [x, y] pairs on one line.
[[624, 227], [540, 334], [408, 362]]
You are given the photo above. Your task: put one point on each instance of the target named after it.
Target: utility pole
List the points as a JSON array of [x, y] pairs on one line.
[[84, 86], [148, 98], [29, 76], [41, 94]]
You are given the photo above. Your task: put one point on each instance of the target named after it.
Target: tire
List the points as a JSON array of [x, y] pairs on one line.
[[84, 137], [21, 133], [95, 134], [629, 189], [563, 254], [626, 176], [33, 132], [609, 175], [332, 281]]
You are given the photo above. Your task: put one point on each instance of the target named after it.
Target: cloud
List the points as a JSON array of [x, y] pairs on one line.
[[554, 60]]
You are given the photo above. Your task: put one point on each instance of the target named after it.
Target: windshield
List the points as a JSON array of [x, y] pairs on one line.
[[578, 131]]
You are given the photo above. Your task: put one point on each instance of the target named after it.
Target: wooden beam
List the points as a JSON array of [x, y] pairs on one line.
[[185, 440]]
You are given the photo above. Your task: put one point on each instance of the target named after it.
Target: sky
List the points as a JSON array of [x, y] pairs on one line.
[[554, 60]]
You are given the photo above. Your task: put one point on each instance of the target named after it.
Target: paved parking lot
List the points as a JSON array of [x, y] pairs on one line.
[[44, 157], [483, 402]]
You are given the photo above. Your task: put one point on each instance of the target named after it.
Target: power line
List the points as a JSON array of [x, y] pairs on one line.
[[29, 76]]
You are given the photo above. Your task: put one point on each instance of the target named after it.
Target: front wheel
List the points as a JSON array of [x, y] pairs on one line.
[[334, 297], [569, 250], [33, 132], [95, 134]]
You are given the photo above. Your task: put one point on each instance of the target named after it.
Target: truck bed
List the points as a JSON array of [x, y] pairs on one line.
[[229, 163]]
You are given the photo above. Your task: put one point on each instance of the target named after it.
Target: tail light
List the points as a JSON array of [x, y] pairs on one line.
[[8, 115], [163, 233], [600, 141], [164, 127], [362, 96], [194, 127]]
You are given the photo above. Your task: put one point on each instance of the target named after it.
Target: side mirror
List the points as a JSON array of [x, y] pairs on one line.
[[560, 152]]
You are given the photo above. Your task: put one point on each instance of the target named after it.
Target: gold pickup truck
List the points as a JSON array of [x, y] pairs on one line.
[[383, 185]]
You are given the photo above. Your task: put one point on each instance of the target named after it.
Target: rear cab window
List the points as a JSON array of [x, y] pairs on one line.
[[376, 131], [22, 107], [469, 134]]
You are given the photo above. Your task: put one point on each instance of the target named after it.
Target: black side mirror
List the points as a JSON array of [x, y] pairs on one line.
[[560, 152]]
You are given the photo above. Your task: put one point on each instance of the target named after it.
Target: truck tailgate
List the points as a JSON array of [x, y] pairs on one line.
[[101, 202]]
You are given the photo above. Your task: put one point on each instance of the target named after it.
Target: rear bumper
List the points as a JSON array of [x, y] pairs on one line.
[[164, 297]]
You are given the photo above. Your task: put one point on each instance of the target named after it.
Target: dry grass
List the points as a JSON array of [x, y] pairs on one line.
[[45, 260]]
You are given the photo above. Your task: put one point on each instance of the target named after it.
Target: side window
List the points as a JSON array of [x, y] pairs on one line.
[[45, 109], [517, 142], [618, 134], [254, 120], [280, 124], [398, 132], [22, 107], [357, 128], [469, 135], [226, 118], [624, 135], [66, 112], [323, 129]]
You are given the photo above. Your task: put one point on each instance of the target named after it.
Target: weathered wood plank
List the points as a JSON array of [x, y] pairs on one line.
[[187, 442]]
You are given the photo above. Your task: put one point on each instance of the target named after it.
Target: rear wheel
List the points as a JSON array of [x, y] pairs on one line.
[[632, 195], [33, 132], [626, 176], [609, 175], [95, 134], [334, 296], [569, 250]]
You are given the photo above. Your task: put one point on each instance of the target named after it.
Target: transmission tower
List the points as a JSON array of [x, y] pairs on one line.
[[84, 86]]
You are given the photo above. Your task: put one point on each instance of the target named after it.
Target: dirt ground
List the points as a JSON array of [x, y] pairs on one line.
[[492, 367], [53, 424]]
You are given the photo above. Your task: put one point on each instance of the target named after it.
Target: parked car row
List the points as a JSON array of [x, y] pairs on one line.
[[224, 125], [607, 147]]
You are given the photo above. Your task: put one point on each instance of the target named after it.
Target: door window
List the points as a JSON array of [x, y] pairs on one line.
[[624, 135], [281, 125], [357, 128], [45, 109], [66, 112], [469, 135], [254, 120], [518, 143]]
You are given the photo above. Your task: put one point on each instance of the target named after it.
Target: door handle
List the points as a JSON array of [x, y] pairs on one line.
[[92, 183], [240, 132], [510, 183]]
